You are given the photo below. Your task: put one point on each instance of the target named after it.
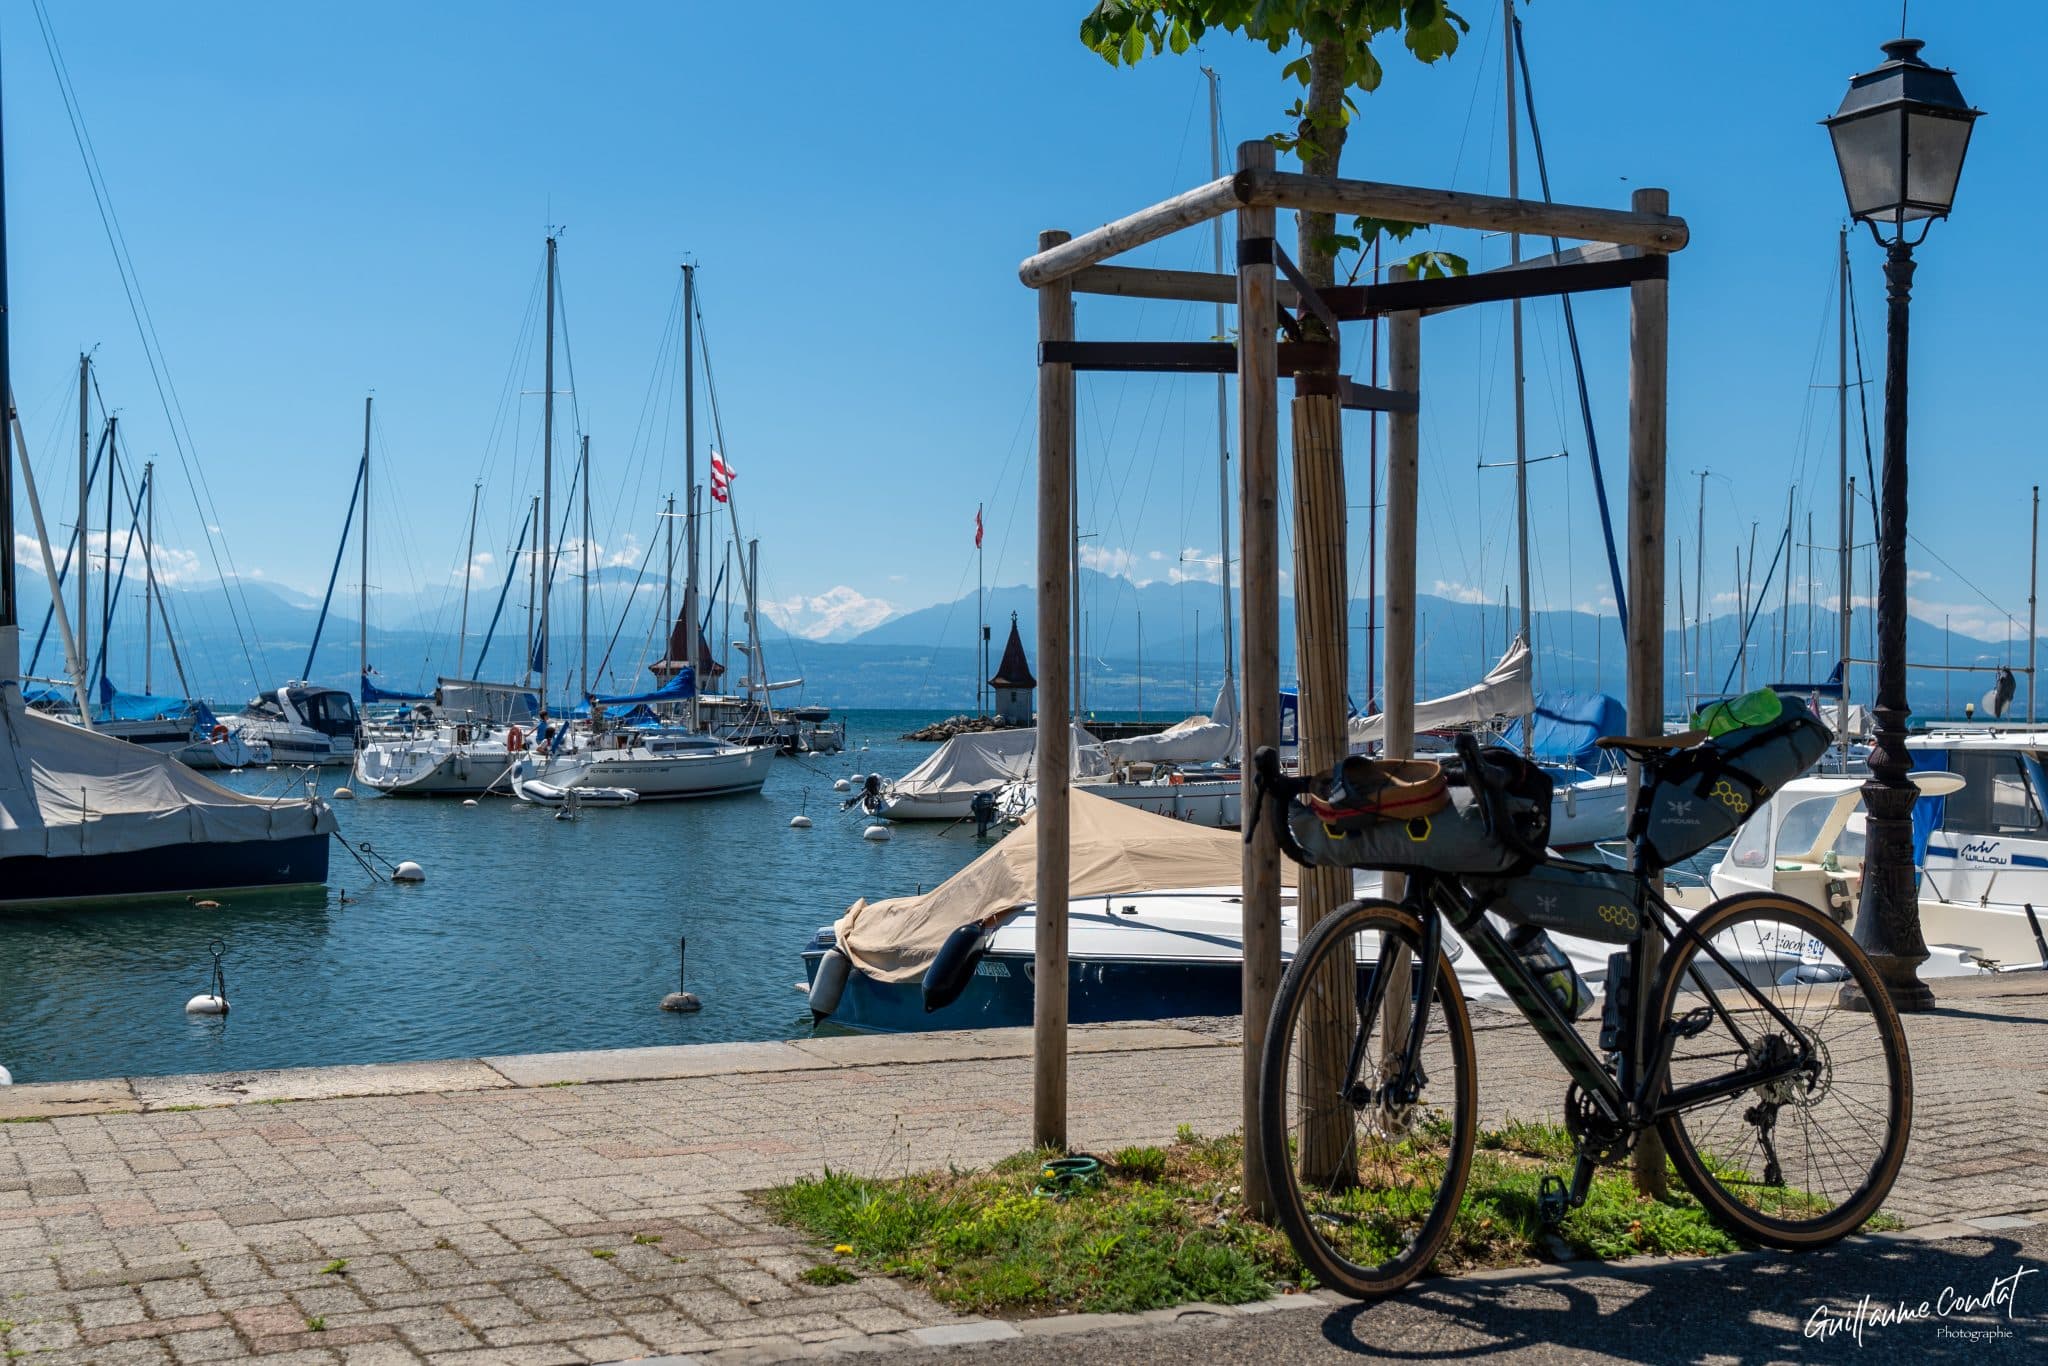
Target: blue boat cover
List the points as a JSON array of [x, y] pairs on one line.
[[372, 694], [116, 705], [1567, 724], [1831, 688], [680, 688]]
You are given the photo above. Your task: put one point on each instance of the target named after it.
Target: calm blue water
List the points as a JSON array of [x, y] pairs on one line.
[[529, 935]]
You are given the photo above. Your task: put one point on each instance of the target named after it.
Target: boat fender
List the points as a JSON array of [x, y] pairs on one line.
[[954, 967], [830, 983]]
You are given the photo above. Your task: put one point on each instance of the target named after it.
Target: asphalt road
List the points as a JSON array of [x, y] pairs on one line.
[[1762, 1307]]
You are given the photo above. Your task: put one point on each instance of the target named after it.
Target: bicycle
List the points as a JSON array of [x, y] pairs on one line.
[[1786, 1116]]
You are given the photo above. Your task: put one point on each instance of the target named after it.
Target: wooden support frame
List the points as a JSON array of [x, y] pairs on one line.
[[1621, 248], [1055, 733]]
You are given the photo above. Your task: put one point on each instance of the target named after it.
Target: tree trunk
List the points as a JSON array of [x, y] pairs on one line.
[[1327, 1142]]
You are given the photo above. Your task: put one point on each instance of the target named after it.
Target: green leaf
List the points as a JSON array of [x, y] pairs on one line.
[[1134, 46]]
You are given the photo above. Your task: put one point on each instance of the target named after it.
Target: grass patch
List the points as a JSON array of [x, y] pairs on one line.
[[647, 1239], [603, 1254], [316, 1324], [1167, 1226], [830, 1273], [335, 1267], [26, 1119]]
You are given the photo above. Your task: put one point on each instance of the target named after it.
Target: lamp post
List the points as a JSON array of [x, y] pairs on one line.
[[1899, 138]]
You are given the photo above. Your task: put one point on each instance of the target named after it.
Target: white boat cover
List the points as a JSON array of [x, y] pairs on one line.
[[67, 791], [1505, 691], [983, 761], [1114, 849], [1197, 740]]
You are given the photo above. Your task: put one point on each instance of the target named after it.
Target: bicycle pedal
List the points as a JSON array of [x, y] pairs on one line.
[[1553, 1201], [1694, 1023]]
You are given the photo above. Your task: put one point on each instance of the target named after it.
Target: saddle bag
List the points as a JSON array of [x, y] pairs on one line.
[[1704, 794], [1576, 899], [1453, 828]]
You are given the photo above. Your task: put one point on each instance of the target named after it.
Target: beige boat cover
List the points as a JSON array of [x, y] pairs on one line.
[[1115, 849], [1505, 691]]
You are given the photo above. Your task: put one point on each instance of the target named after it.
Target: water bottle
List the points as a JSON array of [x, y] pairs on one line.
[[1549, 966]]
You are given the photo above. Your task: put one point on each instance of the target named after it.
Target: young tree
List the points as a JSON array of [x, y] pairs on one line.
[[1334, 41]]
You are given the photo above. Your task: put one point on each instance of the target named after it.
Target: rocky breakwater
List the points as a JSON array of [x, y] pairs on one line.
[[939, 731]]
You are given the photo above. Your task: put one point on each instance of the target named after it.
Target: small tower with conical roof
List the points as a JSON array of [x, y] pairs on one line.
[[1013, 682]]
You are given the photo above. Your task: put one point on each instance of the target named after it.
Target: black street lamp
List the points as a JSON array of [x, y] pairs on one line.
[[1899, 137]]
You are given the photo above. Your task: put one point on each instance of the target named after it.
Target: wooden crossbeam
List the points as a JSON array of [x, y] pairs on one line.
[[1353, 302], [1143, 282], [1177, 358]]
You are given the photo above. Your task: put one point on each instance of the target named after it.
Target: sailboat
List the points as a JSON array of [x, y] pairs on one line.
[[85, 817]]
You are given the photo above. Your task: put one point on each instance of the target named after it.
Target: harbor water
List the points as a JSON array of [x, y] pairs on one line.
[[530, 934]]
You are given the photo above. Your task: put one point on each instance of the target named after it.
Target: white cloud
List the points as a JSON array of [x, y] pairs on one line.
[[174, 566], [1459, 592], [1105, 559], [838, 613], [1194, 565]]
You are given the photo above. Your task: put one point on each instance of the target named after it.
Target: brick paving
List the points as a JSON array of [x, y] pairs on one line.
[[470, 1220]]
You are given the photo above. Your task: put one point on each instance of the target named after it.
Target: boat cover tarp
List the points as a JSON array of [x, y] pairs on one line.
[[1197, 740], [373, 694], [982, 761], [67, 791], [1567, 724], [116, 705], [680, 688], [1505, 691], [1113, 849], [503, 702]]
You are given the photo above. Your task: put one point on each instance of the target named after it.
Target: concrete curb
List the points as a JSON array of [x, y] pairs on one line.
[[56, 1100]]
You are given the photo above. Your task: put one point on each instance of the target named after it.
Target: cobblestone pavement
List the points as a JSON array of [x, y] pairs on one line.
[[551, 1209]]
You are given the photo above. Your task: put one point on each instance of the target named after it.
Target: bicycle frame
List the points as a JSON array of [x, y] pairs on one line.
[[1622, 1093]]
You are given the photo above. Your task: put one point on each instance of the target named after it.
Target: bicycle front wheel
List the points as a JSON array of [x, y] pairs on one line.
[[1366, 1157], [1803, 1160]]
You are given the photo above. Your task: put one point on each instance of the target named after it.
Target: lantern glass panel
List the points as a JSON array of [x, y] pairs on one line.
[[1934, 161], [1868, 149]]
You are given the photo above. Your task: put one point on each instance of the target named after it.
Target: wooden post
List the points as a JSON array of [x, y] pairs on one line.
[[1326, 1155], [1055, 737], [1258, 416], [1648, 353], [1404, 480]]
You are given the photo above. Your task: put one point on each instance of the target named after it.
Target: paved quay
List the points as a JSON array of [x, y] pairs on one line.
[[592, 1206]]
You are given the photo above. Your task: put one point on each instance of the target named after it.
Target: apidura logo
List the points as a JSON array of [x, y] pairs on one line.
[[1828, 1322]]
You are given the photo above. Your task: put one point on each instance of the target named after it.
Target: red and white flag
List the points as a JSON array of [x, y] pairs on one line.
[[722, 476], [977, 526]]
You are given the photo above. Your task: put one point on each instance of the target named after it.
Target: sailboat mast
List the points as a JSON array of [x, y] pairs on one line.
[[583, 619], [547, 479], [148, 570], [468, 572], [690, 626], [2033, 592], [1842, 466], [1785, 590], [1507, 10], [980, 621], [107, 565], [10, 631], [1222, 399], [84, 520], [668, 582], [532, 583], [363, 588]]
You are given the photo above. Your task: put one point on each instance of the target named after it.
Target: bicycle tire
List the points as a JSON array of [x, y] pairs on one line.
[[1725, 1184], [1374, 1217]]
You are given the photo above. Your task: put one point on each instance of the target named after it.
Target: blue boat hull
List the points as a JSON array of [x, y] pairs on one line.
[[174, 869], [1099, 991]]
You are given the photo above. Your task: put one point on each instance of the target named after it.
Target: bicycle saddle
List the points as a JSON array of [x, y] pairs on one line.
[[1651, 747]]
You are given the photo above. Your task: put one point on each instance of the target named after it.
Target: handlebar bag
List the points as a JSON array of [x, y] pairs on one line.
[[1578, 899], [1458, 837], [1701, 795]]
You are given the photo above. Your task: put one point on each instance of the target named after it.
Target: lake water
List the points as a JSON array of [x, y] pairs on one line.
[[529, 935]]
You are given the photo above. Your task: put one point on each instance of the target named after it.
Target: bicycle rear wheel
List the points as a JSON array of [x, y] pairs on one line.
[[1803, 1161], [1366, 1179]]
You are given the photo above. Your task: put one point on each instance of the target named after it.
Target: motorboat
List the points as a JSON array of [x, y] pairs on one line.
[[944, 786], [1980, 847], [303, 723]]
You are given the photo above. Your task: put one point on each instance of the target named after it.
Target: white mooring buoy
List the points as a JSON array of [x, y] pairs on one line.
[[6, 1077], [799, 822], [214, 1000], [344, 794], [469, 801], [878, 833], [682, 1000], [841, 785], [408, 871]]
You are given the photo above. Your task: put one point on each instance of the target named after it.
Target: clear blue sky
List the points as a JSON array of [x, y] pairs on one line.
[[323, 201]]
